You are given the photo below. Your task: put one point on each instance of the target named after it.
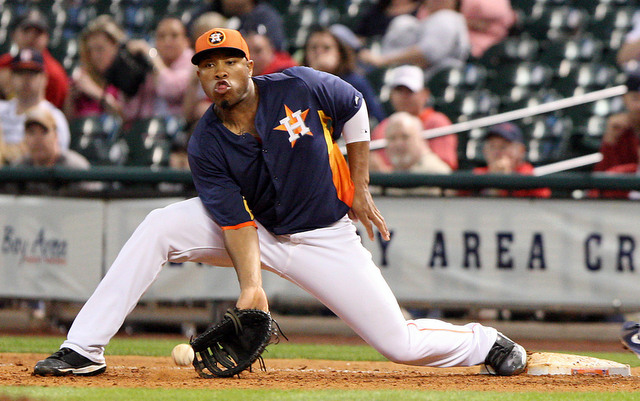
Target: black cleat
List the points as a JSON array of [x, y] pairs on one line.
[[630, 337], [68, 362], [506, 358]]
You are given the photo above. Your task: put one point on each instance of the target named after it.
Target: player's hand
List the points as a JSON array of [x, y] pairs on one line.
[[253, 298], [364, 210]]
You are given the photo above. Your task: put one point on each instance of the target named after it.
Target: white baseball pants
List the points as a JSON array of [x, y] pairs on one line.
[[330, 263]]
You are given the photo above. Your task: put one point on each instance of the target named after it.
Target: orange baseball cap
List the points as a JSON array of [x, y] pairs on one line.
[[219, 38]]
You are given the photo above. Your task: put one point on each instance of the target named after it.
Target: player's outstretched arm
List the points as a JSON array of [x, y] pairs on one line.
[[363, 208], [244, 249]]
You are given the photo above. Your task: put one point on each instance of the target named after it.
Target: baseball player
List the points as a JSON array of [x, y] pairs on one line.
[[276, 193]]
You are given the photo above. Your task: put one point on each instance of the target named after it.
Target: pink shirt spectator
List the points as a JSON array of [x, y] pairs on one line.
[[446, 147], [161, 93], [488, 22], [85, 106]]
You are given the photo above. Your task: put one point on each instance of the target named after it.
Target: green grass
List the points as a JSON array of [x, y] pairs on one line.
[[162, 347], [102, 394], [284, 350]]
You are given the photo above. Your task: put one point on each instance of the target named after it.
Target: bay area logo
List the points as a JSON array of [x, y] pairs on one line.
[[40, 248]]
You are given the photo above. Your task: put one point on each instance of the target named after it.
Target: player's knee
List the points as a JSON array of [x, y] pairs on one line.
[[398, 354], [161, 220]]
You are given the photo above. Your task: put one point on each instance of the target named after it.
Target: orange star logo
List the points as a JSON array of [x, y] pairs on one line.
[[294, 124]]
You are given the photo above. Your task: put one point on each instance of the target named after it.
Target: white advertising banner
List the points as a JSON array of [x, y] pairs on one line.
[[539, 252], [51, 247], [549, 254]]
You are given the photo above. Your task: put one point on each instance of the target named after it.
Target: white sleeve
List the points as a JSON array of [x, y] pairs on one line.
[[357, 128]]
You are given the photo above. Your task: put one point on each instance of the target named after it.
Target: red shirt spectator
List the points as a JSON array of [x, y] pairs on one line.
[[504, 152], [33, 32], [409, 94]]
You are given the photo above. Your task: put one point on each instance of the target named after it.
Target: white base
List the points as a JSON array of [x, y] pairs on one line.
[[548, 363]]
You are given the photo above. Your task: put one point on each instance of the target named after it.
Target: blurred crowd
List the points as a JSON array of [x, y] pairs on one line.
[[132, 97]]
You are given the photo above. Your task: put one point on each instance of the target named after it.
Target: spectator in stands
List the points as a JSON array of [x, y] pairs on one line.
[[163, 89], [204, 22], [324, 51], [32, 32], [619, 146], [90, 93], [152, 81], [29, 80], [630, 49], [488, 23], [409, 94], [93, 92], [266, 58], [43, 150], [438, 41], [406, 149], [504, 152], [251, 15], [375, 21]]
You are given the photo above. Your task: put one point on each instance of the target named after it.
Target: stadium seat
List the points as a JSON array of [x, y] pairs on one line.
[[94, 136], [531, 75], [582, 49], [520, 97], [549, 138], [470, 148], [147, 142], [138, 20], [66, 51], [607, 20], [602, 108], [588, 136], [587, 77], [470, 76], [79, 16], [525, 6], [556, 22], [511, 50], [5, 41], [463, 105]]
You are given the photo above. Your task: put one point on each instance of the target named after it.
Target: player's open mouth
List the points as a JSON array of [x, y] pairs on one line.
[[222, 87]]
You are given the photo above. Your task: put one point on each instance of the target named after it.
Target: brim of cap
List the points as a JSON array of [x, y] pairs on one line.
[[27, 66], [36, 121], [410, 85], [503, 136], [34, 24], [199, 56]]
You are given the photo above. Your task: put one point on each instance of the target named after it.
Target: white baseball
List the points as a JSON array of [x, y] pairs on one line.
[[183, 354]]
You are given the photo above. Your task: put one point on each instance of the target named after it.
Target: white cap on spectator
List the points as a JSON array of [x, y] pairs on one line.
[[410, 76]]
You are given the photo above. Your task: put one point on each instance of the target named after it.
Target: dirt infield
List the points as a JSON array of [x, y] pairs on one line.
[[159, 372]]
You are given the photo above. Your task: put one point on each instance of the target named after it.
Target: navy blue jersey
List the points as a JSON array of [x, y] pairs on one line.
[[294, 178]]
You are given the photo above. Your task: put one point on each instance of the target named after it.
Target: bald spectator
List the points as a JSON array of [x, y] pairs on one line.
[[406, 149], [409, 94], [32, 32]]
